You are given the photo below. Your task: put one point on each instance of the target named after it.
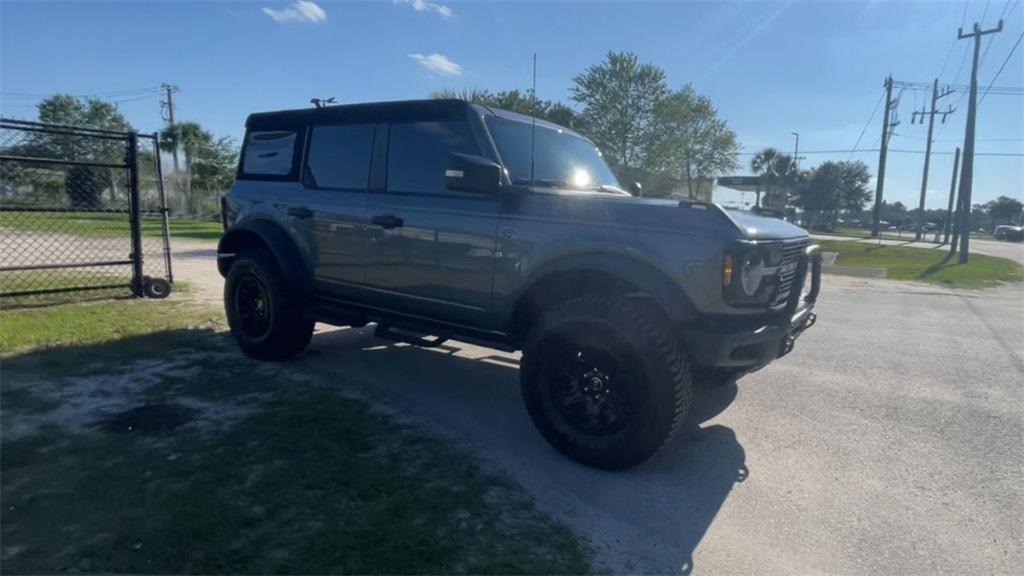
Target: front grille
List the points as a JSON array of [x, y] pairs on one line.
[[792, 251]]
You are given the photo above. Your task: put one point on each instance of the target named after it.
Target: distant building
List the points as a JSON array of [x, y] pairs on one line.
[[741, 192]]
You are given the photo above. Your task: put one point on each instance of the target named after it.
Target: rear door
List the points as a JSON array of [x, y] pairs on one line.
[[430, 250], [336, 178]]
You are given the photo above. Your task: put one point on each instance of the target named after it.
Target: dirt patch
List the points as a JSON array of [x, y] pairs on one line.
[[148, 419]]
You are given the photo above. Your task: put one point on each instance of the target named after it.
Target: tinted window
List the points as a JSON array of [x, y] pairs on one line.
[[269, 153], [339, 156], [418, 153]]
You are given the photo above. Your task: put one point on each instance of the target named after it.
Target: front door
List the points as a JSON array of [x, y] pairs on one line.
[[430, 250]]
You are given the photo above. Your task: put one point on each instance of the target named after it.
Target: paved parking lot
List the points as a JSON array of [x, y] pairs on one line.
[[888, 442]]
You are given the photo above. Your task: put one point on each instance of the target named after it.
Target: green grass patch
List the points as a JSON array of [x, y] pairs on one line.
[[102, 225], [271, 474], [928, 265], [91, 322], [851, 232]]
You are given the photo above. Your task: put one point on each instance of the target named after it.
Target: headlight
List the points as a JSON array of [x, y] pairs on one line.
[[752, 273], [749, 271]]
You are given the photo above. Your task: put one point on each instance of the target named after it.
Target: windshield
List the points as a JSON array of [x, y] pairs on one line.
[[560, 159]]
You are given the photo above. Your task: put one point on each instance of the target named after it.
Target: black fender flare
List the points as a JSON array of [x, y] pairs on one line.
[[646, 277], [269, 235]]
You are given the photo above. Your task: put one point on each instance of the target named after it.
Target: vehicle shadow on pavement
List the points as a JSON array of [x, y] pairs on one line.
[[649, 519]]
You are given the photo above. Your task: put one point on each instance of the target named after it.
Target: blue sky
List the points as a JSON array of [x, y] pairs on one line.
[[770, 67]]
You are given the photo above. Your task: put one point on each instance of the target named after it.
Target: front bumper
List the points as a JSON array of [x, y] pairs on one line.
[[749, 348]]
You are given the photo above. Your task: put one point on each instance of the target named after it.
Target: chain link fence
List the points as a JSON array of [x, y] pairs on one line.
[[76, 215]]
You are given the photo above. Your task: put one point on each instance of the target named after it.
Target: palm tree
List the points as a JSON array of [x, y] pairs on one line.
[[761, 165], [775, 167], [190, 139]]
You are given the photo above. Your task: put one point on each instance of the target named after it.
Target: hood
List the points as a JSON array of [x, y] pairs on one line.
[[755, 227]]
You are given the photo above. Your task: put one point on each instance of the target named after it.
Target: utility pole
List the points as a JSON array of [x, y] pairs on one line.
[[967, 173], [887, 125], [957, 222], [952, 193], [928, 147], [169, 104]]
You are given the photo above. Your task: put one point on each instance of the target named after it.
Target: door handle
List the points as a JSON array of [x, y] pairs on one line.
[[300, 212], [387, 221]]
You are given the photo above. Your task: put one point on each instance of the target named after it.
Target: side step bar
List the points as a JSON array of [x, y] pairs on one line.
[[399, 335]]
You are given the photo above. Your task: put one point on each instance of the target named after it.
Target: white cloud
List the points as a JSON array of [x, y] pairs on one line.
[[437, 63], [424, 6], [301, 11]]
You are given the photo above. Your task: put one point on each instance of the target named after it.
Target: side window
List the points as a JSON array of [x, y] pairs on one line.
[[269, 153], [339, 156], [418, 153]]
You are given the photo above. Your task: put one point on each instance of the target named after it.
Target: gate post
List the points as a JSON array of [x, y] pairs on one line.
[[134, 212]]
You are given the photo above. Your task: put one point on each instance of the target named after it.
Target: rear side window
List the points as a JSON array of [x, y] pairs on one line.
[[269, 153], [418, 153], [339, 156]]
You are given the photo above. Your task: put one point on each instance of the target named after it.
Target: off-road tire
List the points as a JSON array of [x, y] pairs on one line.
[[288, 329], [659, 378]]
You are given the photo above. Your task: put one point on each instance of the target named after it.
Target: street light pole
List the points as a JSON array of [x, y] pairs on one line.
[[796, 150]]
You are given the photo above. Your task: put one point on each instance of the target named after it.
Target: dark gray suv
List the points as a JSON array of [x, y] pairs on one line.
[[440, 218]]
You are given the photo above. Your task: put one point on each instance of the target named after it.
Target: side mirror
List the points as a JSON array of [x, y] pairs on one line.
[[472, 174], [636, 189]]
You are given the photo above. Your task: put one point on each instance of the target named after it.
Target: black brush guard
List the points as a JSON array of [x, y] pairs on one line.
[[748, 347]]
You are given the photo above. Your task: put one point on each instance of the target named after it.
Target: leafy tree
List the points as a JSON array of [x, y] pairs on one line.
[[514, 101], [620, 98], [854, 191], [830, 187], [895, 213], [693, 144], [1003, 210], [83, 186]]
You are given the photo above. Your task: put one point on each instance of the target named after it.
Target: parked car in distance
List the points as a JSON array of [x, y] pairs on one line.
[[441, 218], [1009, 232], [1006, 231]]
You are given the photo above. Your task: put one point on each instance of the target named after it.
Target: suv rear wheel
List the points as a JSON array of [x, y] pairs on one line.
[[605, 381], [266, 318]]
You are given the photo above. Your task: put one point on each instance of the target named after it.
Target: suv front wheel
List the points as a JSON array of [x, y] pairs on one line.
[[605, 381], [265, 316]]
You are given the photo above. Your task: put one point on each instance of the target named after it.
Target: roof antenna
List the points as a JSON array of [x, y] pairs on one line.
[[321, 102], [533, 118]]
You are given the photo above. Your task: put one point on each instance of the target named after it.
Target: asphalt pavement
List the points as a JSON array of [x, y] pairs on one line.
[[888, 442]]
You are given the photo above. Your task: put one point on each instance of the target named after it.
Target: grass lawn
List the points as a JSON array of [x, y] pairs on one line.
[[136, 439], [928, 265], [107, 225]]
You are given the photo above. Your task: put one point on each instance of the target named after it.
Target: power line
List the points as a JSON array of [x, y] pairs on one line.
[[927, 87], [960, 139], [868, 123], [952, 47], [894, 150], [99, 95], [1001, 66]]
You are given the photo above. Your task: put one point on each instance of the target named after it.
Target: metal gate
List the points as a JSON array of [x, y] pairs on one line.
[[81, 209]]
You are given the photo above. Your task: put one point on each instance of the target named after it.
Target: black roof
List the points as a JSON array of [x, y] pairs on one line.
[[408, 110], [401, 110]]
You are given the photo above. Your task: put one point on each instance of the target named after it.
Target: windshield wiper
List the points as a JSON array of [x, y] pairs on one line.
[[609, 189], [547, 182]]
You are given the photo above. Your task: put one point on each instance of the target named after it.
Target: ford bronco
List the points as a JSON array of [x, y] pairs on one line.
[[441, 218]]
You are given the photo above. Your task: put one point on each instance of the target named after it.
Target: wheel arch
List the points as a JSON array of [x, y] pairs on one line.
[[272, 238], [599, 274]]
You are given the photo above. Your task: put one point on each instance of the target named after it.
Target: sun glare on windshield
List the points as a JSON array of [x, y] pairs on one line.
[[580, 178]]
